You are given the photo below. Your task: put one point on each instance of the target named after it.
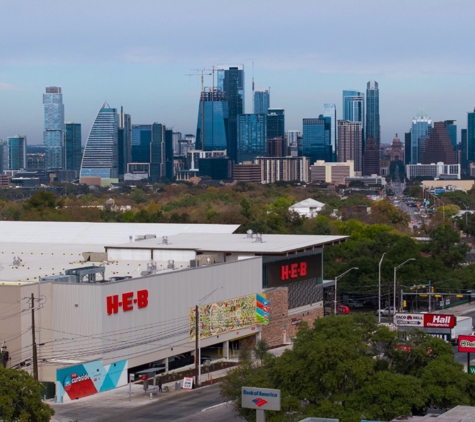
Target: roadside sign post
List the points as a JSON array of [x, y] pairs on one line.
[[467, 344], [260, 399]]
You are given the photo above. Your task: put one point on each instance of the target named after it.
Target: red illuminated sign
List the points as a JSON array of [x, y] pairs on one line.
[[439, 321], [292, 270], [127, 301], [466, 344], [342, 310], [295, 270]]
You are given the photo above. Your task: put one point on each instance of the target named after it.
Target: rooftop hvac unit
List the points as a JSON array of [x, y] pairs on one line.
[[171, 264], [258, 238], [165, 240], [61, 278]]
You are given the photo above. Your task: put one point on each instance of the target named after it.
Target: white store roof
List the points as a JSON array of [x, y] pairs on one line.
[[235, 243], [96, 233]]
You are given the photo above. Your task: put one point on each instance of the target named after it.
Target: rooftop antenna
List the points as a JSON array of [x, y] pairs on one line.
[[253, 77]]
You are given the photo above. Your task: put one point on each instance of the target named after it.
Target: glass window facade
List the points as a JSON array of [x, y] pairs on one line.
[[100, 153], [72, 147], [252, 136], [54, 127], [213, 114], [316, 140], [17, 152]]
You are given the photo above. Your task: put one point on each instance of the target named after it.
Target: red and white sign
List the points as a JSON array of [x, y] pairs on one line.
[[404, 347], [466, 344], [187, 383], [127, 301], [439, 321], [342, 310]]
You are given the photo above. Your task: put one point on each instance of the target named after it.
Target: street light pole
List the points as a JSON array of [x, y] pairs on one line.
[[466, 208], [336, 283], [379, 288], [395, 269]]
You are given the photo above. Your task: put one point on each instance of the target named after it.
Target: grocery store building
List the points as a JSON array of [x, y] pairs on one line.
[[111, 298]]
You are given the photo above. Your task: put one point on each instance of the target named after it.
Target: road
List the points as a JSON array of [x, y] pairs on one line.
[[200, 405]]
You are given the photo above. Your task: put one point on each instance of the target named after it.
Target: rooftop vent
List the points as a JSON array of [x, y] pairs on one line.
[[16, 261], [165, 240], [250, 234], [258, 238], [171, 264]]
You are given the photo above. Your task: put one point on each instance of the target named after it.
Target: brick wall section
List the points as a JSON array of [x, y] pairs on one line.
[[279, 314], [247, 343]]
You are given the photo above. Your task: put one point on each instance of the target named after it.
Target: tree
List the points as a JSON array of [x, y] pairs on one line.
[[349, 367], [20, 398], [445, 245]]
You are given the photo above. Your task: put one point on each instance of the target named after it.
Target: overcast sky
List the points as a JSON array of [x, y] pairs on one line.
[[137, 54]]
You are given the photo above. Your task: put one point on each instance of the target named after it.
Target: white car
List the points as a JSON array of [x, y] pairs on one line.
[[354, 304], [387, 311]]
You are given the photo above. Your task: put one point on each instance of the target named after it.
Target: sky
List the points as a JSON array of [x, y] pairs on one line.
[[139, 55]]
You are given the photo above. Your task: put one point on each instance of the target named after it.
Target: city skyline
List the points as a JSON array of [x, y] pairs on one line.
[[112, 52]]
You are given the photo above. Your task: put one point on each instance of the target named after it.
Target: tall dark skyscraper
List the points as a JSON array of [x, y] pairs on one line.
[[231, 82], [372, 127], [124, 142], [471, 137], [72, 147], [438, 147], [371, 157], [276, 127]]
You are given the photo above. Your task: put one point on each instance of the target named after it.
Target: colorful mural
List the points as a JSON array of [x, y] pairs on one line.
[[89, 378], [224, 316]]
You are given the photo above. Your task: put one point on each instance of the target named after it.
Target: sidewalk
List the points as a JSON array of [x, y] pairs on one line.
[[119, 399]]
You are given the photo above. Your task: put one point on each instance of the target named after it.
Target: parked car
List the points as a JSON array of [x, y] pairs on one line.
[[387, 311], [354, 304]]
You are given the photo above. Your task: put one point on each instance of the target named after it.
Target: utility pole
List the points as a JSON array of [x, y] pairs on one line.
[[197, 347], [33, 339]]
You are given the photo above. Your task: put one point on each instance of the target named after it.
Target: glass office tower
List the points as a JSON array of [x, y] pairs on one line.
[[329, 110], [212, 126], [261, 102], [17, 152], [372, 127], [72, 147], [100, 154], [231, 83], [53, 135], [421, 127], [316, 140], [353, 106], [251, 137]]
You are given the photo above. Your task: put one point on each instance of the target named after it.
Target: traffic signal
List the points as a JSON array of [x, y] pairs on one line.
[[404, 303], [432, 289]]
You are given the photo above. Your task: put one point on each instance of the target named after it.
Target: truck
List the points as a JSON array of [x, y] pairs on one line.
[[464, 327]]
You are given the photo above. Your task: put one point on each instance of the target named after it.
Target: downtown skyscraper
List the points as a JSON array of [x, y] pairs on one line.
[[100, 158], [261, 102], [420, 131], [231, 83], [329, 110], [372, 127], [53, 127]]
